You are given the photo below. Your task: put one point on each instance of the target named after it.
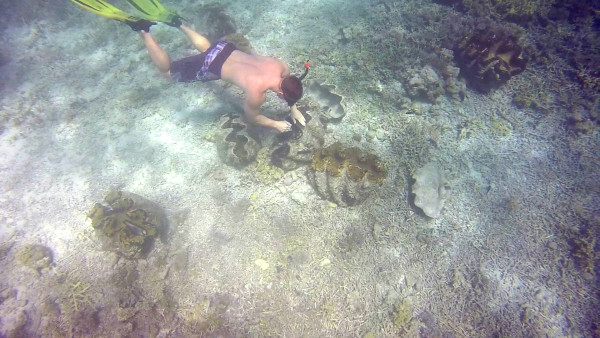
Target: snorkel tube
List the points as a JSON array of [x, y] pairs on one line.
[[306, 68], [291, 86]]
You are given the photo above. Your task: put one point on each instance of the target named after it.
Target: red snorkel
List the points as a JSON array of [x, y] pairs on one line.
[[306, 68]]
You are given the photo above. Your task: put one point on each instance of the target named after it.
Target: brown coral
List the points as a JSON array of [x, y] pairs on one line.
[[128, 223], [488, 59], [345, 176]]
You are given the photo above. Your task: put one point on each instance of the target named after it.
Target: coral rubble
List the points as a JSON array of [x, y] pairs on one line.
[[345, 176], [128, 223]]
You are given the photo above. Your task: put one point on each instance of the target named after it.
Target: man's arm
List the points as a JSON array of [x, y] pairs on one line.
[[253, 116], [297, 115]]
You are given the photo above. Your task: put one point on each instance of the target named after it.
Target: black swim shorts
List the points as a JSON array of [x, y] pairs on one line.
[[202, 67]]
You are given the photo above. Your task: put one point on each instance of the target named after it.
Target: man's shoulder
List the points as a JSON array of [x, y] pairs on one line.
[[272, 60]]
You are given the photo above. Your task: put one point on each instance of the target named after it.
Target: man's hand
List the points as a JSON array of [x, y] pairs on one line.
[[297, 116], [282, 126]]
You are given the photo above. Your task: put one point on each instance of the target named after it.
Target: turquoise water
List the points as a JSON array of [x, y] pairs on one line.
[[446, 182]]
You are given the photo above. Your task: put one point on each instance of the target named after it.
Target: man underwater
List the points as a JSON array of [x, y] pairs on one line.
[[254, 74]]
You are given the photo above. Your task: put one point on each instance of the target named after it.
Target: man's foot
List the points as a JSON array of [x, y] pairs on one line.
[[175, 21], [140, 25]]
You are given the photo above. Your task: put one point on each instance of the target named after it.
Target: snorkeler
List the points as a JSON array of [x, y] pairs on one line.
[[254, 74]]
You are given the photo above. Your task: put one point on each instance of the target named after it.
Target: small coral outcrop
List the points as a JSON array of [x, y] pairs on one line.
[[235, 144], [345, 176], [36, 257], [215, 20], [488, 59], [425, 83], [295, 148], [128, 223], [431, 190], [240, 41]]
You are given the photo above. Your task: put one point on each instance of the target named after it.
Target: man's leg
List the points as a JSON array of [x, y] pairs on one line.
[[157, 54], [200, 42]]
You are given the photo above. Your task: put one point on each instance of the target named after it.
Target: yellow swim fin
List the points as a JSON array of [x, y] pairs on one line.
[[154, 10], [109, 11]]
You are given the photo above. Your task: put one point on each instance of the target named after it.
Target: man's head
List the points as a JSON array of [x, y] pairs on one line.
[[291, 87]]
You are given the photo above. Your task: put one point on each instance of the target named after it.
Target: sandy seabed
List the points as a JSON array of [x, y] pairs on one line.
[[83, 111]]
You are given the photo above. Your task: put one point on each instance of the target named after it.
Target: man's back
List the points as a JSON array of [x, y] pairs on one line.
[[254, 74]]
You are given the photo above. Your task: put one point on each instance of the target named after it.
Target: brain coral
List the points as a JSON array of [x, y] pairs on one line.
[[345, 176], [128, 223]]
